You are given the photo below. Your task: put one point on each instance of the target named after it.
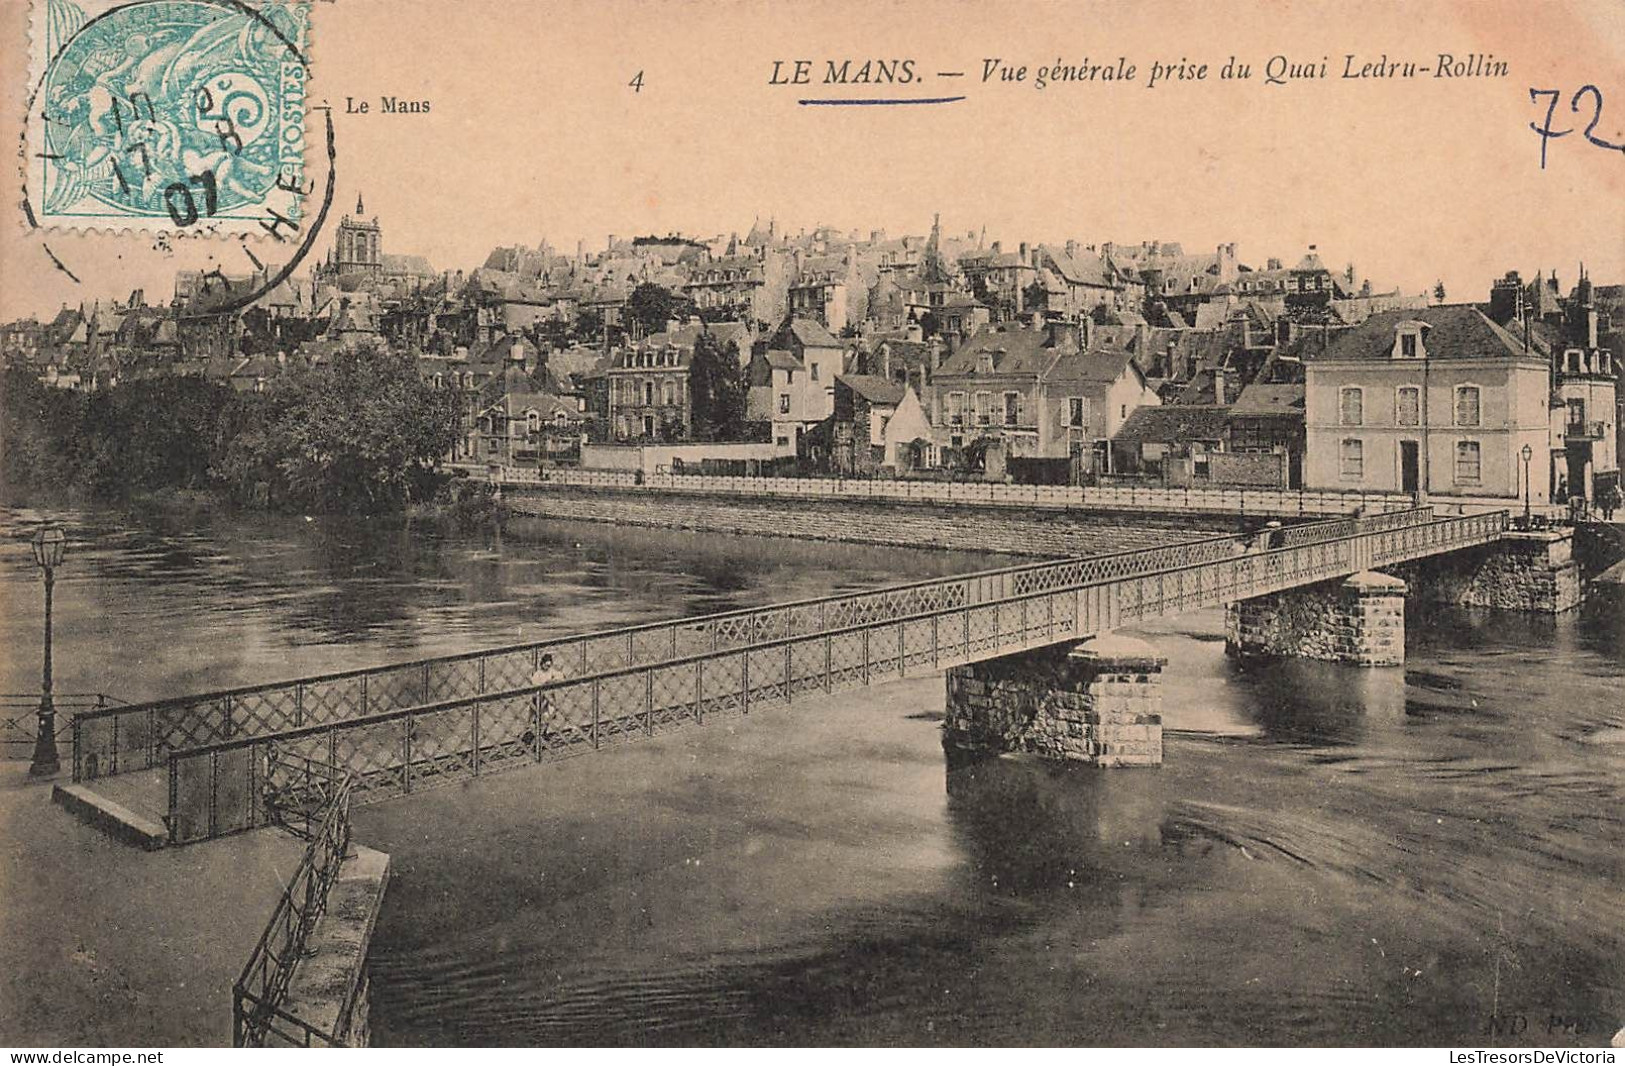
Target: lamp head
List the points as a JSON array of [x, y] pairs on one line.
[[49, 544], [1528, 453]]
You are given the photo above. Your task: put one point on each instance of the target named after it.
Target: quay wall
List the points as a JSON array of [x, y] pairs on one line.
[[1138, 499], [330, 989], [904, 525]]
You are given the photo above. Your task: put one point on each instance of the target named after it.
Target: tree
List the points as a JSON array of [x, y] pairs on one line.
[[359, 433], [650, 307], [146, 434], [717, 390], [589, 324], [1438, 291], [930, 325], [1035, 297]]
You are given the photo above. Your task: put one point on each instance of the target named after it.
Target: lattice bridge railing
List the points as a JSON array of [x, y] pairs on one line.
[[226, 786]]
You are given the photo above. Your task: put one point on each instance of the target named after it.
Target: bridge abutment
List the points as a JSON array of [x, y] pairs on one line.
[[1523, 571], [1098, 702], [1358, 620]]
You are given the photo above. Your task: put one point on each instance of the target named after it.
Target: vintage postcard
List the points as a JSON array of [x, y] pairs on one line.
[[879, 523]]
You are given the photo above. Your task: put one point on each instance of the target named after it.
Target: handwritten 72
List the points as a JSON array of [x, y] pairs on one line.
[[1547, 134]]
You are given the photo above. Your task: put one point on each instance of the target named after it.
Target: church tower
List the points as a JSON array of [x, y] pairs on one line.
[[358, 245]]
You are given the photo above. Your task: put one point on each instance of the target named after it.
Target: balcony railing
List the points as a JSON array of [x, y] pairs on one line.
[[1582, 430]]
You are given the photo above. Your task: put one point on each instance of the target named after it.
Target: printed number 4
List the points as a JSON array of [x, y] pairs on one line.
[[636, 84]]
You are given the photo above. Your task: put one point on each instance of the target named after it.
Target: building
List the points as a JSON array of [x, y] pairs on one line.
[[815, 347], [357, 246], [829, 290], [999, 279], [786, 397], [1585, 453], [1051, 391], [649, 391], [1570, 334], [1267, 419], [1434, 401], [751, 288], [648, 397], [1173, 445], [1077, 281], [878, 424], [1257, 441], [525, 427]]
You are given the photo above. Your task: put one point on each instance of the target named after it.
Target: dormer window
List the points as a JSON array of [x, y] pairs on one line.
[[1408, 340]]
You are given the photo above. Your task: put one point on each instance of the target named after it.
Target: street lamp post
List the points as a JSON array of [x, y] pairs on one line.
[[1528, 453], [49, 544]]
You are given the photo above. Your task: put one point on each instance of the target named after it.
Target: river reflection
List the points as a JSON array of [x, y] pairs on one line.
[[159, 602]]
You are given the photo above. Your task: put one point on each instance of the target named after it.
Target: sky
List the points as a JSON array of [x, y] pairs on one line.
[[535, 132]]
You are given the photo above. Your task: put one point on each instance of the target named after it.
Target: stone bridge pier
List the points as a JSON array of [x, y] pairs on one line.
[[1098, 702], [1359, 620]]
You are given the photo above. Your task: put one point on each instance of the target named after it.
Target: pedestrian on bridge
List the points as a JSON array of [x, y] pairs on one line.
[[547, 711]]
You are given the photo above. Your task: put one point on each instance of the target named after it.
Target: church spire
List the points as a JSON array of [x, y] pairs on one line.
[[359, 210]]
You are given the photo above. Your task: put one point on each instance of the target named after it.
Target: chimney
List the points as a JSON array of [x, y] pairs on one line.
[[1087, 339], [1022, 252], [952, 340], [611, 242], [1071, 248], [885, 361], [997, 247], [1036, 319], [1218, 385], [1272, 264], [1064, 335]]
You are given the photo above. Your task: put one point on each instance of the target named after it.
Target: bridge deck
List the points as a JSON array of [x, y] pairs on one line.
[[823, 646]]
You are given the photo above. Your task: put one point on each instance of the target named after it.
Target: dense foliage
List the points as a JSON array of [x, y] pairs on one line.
[[718, 390], [650, 307], [158, 433], [359, 433]]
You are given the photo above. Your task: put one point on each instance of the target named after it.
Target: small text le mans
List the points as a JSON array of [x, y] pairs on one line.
[[389, 105]]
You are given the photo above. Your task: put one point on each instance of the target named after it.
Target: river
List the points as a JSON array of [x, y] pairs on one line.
[[1328, 855]]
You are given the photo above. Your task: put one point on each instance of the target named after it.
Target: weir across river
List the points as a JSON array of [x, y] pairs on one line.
[[246, 757]]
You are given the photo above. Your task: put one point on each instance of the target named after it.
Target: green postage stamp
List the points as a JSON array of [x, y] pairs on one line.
[[167, 115]]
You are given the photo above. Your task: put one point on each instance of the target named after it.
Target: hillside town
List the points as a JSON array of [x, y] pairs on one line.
[[944, 355]]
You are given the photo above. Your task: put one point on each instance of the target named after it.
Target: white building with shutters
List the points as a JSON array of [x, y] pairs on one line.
[[1436, 401]]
